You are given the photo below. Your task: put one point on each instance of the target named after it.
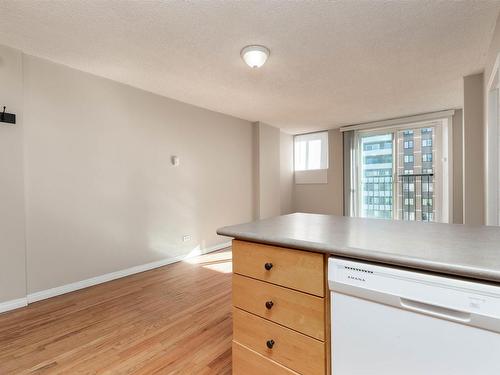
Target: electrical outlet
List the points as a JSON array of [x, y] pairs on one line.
[[186, 238]]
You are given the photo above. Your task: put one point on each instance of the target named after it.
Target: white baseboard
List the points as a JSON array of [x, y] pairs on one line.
[[49, 293], [13, 304]]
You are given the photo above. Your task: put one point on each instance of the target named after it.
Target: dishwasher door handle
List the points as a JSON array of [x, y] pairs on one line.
[[437, 311]]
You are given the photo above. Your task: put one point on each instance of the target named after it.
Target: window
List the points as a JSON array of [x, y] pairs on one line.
[[408, 158], [376, 175], [409, 187], [311, 158], [408, 144], [409, 201], [311, 151], [396, 174], [427, 187], [426, 201]]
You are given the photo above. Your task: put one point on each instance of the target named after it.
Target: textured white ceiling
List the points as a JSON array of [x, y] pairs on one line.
[[332, 63]]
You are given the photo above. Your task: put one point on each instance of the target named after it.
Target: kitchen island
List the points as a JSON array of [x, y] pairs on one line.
[[280, 290]]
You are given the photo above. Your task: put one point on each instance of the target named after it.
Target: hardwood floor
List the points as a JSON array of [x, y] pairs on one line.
[[171, 320]]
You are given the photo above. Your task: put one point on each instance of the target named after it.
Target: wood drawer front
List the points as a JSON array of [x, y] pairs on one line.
[[300, 270], [248, 362], [291, 349], [300, 311]]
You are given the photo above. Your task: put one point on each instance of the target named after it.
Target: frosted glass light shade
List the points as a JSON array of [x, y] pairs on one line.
[[255, 56]]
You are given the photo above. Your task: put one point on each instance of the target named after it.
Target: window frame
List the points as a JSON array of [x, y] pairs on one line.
[[443, 212], [492, 168], [313, 176], [324, 152], [358, 134]]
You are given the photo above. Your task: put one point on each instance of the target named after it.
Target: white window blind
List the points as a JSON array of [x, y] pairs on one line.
[[311, 151]]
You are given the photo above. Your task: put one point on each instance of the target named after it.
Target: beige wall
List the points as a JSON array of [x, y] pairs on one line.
[[492, 53], [324, 198], [273, 171], [473, 151], [268, 170], [101, 192], [492, 168], [286, 173], [458, 194], [12, 245]]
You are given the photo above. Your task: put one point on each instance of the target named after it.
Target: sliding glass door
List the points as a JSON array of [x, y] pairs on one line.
[[415, 172], [396, 173], [376, 175]]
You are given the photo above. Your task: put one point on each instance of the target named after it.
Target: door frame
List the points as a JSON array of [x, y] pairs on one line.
[[443, 184], [492, 174]]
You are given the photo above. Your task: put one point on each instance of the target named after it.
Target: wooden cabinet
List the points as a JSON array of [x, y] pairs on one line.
[[299, 311], [280, 311], [294, 269], [294, 350], [248, 362]]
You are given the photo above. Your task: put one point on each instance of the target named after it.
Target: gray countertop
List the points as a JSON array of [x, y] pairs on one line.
[[463, 250]]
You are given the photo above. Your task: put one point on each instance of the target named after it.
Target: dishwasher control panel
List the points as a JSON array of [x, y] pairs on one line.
[[373, 281]]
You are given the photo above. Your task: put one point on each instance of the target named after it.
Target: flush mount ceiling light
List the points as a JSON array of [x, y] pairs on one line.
[[255, 56]]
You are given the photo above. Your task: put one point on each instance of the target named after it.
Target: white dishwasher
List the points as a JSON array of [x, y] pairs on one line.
[[392, 321]]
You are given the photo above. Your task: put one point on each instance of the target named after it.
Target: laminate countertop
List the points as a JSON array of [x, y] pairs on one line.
[[462, 250]]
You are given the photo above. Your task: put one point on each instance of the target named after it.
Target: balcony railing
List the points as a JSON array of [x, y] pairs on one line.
[[417, 197]]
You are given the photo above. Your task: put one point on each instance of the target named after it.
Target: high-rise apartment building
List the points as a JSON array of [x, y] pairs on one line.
[[416, 174], [397, 177], [376, 176]]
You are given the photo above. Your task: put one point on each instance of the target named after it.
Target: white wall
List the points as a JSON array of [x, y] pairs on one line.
[[12, 245], [473, 151], [324, 198]]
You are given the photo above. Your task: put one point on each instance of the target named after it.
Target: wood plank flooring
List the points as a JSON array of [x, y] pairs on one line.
[[172, 320]]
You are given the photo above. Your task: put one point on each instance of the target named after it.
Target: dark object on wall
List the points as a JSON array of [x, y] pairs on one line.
[[8, 118]]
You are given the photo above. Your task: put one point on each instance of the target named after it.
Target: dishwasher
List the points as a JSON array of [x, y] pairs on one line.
[[395, 321]]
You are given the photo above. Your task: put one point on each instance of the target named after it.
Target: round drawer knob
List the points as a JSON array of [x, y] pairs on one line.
[[268, 266], [270, 344], [269, 305]]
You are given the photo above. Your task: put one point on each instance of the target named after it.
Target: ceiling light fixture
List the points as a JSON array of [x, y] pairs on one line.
[[255, 56]]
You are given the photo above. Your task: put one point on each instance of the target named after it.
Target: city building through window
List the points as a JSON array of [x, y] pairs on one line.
[[397, 173]]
